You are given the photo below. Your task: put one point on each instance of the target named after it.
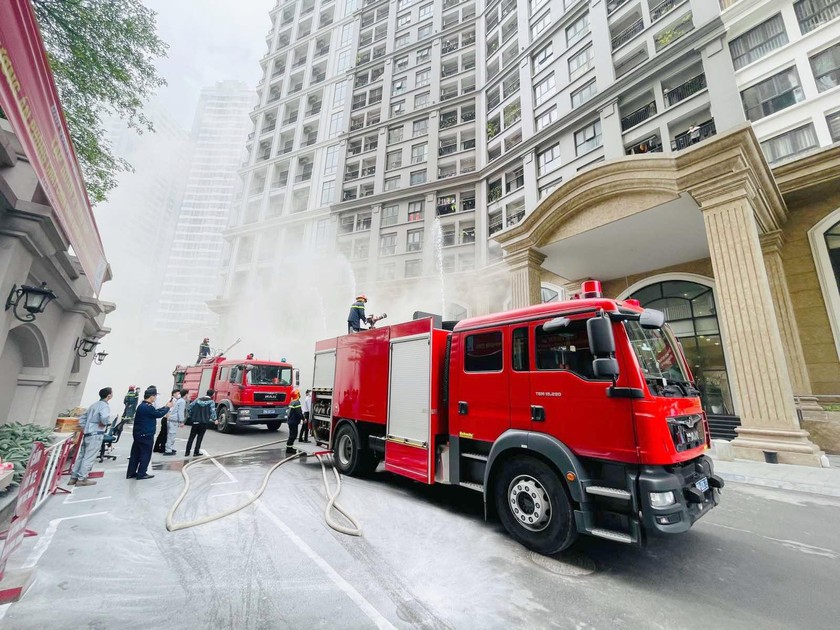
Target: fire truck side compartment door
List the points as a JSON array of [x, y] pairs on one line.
[[324, 372], [204, 383], [407, 449]]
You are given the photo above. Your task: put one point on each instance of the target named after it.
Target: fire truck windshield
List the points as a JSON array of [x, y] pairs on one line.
[[658, 357], [269, 375]]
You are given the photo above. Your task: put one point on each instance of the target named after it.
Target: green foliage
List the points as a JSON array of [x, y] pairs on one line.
[[102, 54], [16, 442]]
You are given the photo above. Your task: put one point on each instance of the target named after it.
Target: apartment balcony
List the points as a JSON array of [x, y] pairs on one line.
[[311, 139], [448, 149], [649, 145], [448, 92], [349, 195], [614, 5], [305, 176], [449, 47], [350, 176], [628, 33], [287, 148], [448, 120], [320, 52], [299, 63], [663, 8], [639, 116], [291, 119], [268, 128], [693, 136], [318, 78], [685, 90]]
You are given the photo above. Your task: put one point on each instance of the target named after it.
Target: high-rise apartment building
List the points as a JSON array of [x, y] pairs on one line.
[[194, 260]]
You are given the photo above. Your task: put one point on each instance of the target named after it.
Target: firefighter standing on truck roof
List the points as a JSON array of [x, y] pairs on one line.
[[357, 315], [204, 349]]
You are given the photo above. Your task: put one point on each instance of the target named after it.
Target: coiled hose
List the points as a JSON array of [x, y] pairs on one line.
[[332, 496]]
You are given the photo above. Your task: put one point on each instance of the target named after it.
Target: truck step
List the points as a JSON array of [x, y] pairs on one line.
[[477, 456], [612, 493], [613, 535], [472, 486]]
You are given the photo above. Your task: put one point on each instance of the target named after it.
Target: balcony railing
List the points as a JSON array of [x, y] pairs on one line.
[[638, 116], [449, 47], [320, 52], [693, 136], [822, 15], [467, 144], [448, 149], [614, 5], [628, 33], [448, 120], [448, 92], [467, 205], [684, 90], [467, 116], [663, 8]]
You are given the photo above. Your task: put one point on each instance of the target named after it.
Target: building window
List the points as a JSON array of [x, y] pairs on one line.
[[401, 63], [418, 177], [328, 193], [339, 94], [388, 244], [833, 121], [421, 100], [423, 55], [392, 183], [402, 41], [390, 215], [343, 61], [543, 58], [789, 144], [577, 30], [814, 13], [826, 68], [397, 108], [580, 63], [331, 160], [690, 310], [398, 87], [393, 159], [424, 31], [335, 124], [759, 41], [403, 20], [540, 25], [544, 120], [549, 159], [414, 241], [413, 268], [588, 138], [580, 96], [415, 211], [426, 11], [423, 78], [420, 127], [544, 89], [395, 134], [419, 153], [772, 95]]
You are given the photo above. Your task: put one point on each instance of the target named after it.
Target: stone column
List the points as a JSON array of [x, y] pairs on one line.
[[62, 355], [754, 341], [771, 247], [525, 277]]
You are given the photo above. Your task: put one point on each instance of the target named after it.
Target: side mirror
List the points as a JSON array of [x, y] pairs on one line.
[[601, 340], [651, 318], [556, 324], [297, 378], [605, 368]]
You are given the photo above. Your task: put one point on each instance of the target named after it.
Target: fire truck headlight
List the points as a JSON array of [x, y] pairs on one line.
[[244, 412], [662, 499]]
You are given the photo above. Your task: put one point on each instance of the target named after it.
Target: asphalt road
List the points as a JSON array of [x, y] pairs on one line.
[[426, 559]]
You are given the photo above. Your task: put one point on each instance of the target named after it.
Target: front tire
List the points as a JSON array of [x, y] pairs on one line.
[[273, 426], [534, 506], [224, 425]]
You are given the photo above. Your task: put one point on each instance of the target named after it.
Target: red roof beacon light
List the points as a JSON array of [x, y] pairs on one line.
[[633, 302], [591, 289]]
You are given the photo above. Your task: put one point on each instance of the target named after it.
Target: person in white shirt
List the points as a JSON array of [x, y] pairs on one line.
[[93, 424], [304, 426], [175, 419]]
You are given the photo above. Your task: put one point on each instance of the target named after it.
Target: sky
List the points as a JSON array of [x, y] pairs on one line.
[[209, 41]]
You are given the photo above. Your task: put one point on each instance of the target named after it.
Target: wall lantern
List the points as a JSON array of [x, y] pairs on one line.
[[99, 357], [84, 347], [31, 299]]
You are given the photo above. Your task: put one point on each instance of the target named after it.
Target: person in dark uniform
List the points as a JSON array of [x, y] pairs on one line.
[[130, 401], [145, 421], [202, 414], [293, 419], [357, 315], [204, 349]]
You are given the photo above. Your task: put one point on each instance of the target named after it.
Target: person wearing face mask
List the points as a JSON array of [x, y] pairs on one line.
[[145, 421], [175, 419]]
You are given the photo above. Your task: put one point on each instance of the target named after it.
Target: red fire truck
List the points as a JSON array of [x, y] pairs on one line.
[[248, 391], [577, 417]]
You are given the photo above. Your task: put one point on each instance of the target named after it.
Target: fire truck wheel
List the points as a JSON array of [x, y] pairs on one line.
[[350, 457], [534, 506], [224, 421], [273, 426]]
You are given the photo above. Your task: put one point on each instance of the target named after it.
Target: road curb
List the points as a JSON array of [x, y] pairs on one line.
[[781, 485]]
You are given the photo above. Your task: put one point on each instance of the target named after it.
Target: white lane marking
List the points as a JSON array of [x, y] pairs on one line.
[[67, 501], [794, 545], [45, 540], [227, 494], [3, 610], [374, 615]]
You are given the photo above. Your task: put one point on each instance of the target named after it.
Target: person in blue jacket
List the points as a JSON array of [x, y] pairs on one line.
[[356, 317], [145, 423]]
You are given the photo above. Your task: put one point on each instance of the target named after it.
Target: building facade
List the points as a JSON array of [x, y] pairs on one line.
[[475, 156], [42, 372], [220, 129]]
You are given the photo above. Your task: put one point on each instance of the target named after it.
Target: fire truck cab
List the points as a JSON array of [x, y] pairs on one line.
[[578, 417], [247, 391]]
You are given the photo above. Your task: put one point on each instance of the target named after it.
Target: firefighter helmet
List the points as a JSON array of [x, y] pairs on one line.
[[362, 297], [131, 388]]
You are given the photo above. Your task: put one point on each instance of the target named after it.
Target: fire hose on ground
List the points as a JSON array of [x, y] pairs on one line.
[[332, 496]]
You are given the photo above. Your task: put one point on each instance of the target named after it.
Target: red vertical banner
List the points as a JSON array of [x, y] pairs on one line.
[[27, 495], [29, 100]]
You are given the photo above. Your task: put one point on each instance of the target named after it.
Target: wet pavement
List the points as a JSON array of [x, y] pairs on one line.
[[427, 559]]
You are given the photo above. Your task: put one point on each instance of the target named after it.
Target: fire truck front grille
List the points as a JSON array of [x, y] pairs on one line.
[[269, 397], [687, 432]]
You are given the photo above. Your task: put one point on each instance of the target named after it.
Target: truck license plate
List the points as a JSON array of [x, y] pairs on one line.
[[702, 485]]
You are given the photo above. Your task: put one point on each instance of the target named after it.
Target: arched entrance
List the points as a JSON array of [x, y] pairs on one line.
[[690, 310]]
